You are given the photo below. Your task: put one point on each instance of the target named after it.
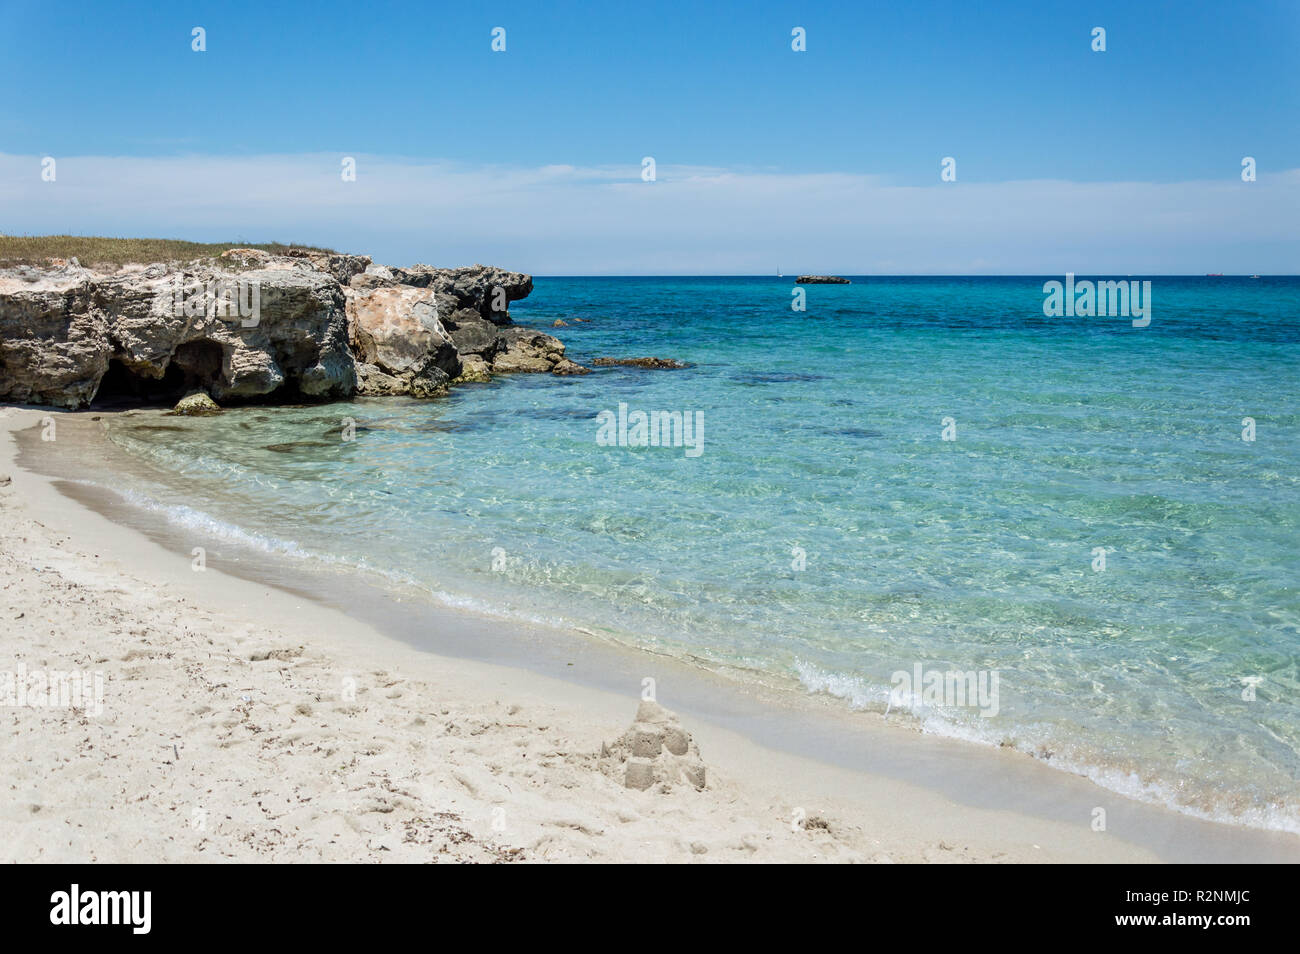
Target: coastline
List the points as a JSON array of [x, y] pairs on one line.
[[413, 769]]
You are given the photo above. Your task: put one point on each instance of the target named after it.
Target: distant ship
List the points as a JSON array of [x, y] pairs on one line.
[[1254, 276], [1214, 274]]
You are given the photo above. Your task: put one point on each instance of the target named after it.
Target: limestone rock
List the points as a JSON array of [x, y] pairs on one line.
[[473, 369], [257, 326], [482, 288], [196, 404], [430, 381], [516, 362], [373, 382], [565, 367], [474, 335], [527, 350], [396, 330], [54, 345], [63, 332], [246, 257]]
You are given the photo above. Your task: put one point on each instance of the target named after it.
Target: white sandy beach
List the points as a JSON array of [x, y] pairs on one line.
[[227, 734]]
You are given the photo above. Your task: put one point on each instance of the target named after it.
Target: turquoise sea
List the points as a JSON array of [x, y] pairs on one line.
[[827, 535]]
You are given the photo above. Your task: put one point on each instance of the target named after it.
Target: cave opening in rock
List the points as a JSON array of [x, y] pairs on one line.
[[195, 364]]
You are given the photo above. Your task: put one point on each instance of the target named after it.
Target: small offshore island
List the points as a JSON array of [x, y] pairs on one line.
[[822, 280]]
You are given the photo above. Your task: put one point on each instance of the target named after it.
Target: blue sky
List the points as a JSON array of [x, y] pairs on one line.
[[512, 157]]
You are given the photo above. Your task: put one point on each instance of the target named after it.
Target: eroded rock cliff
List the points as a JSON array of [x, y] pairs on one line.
[[252, 326]]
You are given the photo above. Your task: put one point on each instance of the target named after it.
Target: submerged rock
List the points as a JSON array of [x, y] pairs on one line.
[[565, 367], [639, 363]]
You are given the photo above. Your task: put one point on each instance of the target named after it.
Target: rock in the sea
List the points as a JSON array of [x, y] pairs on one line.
[[656, 752], [639, 362], [472, 310], [473, 370], [822, 280], [527, 350], [196, 404], [565, 367], [373, 382]]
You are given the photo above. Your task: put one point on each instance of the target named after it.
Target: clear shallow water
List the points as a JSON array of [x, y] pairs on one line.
[[822, 431]]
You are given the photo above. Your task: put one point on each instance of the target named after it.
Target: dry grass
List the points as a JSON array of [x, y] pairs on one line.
[[96, 250]]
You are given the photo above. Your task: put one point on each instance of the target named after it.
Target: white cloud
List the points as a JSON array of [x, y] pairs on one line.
[[563, 219]]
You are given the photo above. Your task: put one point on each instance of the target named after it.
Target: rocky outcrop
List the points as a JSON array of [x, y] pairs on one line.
[[657, 363], [253, 326], [54, 344], [821, 280], [472, 316], [286, 330], [654, 753], [400, 345]]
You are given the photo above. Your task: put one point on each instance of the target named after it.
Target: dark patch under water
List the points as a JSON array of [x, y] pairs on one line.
[[295, 446], [775, 377]]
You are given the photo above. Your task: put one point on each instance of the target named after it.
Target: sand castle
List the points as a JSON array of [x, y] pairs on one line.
[[655, 752]]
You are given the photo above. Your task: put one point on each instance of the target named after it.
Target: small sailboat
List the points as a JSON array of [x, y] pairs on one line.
[[1254, 276], [778, 272]]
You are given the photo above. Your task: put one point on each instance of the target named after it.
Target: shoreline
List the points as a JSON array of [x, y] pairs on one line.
[[883, 794]]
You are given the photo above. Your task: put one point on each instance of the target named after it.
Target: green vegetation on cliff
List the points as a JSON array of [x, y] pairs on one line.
[[96, 250]]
